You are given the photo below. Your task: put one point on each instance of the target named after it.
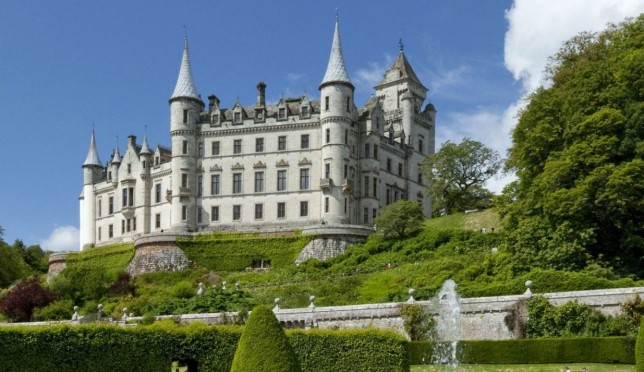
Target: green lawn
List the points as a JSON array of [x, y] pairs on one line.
[[529, 367]]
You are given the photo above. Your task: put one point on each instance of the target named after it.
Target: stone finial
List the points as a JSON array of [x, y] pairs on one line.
[[237, 286], [124, 317], [75, 317], [223, 285], [278, 301], [528, 285], [99, 313], [312, 300], [411, 296], [200, 290]]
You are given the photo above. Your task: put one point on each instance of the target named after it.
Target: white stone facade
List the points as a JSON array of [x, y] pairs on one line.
[[293, 164]]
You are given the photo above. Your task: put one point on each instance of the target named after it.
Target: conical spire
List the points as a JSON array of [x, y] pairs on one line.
[[335, 70], [185, 85], [145, 149], [92, 154], [117, 156], [404, 70]]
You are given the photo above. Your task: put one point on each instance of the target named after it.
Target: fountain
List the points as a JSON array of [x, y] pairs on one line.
[[448, 325]]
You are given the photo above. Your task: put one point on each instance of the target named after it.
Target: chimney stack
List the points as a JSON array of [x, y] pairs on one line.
[[261, 94]]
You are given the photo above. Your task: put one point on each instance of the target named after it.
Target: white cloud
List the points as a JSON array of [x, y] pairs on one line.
[[446, 79], [367, 77], [537, 30], [63, 238]]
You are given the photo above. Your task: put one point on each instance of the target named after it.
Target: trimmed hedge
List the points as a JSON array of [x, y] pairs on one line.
[[113, 259], [235, 252], [539, 350], [153, 348], [350, 350], [639, 349]]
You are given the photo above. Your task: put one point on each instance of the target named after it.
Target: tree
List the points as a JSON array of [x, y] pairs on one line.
[[263, 345], [400, 219], [458, 173], [19, 304], [578, 152]]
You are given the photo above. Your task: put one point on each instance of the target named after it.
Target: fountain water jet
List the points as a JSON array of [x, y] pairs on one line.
[[448, 325]]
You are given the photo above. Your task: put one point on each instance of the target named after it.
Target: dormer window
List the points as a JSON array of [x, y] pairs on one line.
[[304, 111], [281, 113], [156, 161], [237, 118], [214, 119]]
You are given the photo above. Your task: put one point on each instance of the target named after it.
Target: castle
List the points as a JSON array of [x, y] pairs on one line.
[[297, 163]]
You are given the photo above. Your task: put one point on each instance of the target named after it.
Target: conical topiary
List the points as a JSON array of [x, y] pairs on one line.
[[263, 345]]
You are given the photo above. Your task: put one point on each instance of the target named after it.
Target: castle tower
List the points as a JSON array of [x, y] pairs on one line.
[[145, 156], [92, 172], [337, 113], [185, 106]]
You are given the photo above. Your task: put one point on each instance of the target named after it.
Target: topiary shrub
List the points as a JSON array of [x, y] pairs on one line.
[[639, 349], [263, 345]]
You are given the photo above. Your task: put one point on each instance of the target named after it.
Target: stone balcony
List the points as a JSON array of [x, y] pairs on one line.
[[326, 183], [347, 186]]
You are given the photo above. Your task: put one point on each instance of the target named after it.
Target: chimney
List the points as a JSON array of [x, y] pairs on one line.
[[131, 140], [261, 94], [212, 102]]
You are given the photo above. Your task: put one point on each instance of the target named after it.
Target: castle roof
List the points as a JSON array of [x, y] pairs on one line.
[[336, 72], [92, 154], [116, 158], [404, 71], [185, 87]]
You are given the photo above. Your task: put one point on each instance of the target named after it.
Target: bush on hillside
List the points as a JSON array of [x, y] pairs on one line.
[[400, 219], [263, 345], [19, 303]]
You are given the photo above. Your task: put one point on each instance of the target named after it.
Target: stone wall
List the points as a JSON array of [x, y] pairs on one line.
[[331, 240], [157, 252], [56, 265]]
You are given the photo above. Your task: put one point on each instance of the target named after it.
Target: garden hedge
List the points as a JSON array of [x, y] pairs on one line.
[[538, 350], [153, 348], [639, 349]]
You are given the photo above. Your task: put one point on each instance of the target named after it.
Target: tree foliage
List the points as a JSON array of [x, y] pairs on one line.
[[459, 172], [12, 265], [19, 304], [578, 153], [400, 219]]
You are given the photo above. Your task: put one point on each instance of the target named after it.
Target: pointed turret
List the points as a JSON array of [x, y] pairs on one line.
[[185, 87], [145, 149], [92, 154], [399, 70], [336, 72], [116, 159]]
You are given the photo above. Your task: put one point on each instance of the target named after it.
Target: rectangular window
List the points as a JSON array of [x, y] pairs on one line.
[[326, 204], [134, 224], [366, 150], [304, 143], [237, 146], [124, 199], [144, 164], [214, 184], [326, 103], [237, 118], [375, 187], [400, 169], [388, 164], [109, 176], [214, 119], [420, 174], [199, 185], [281, 143], [122, 227], [110, 231], [184, 147], [348, 104], [281, 180], [346, 136], [328, 135], [388, 196], [215, 148], [345, 171], [185, 116], [420, 146], [395, 196], [129, 225], [100, 207], [304, 208], [259, 211], [259, 181], [156, 161], [374, 213], [304, 179], [184, 213], [201, 153], [281, 210], [199, 215], [366, 186], [214, 213], [110, 208], [184, 179], [259, 145], [345, 205], [304, 111], [129, 168], [99, 234], [281, 113], [157, 193], [327, 170], [375, 151], [237, 183], [365, 215], [236, 212], [157, 221]]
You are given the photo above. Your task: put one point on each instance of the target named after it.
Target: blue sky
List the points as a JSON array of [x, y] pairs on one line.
[[66, 65]]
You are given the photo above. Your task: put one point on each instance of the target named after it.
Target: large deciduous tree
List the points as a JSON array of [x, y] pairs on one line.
[[578, 153], [400, 219], [458, 173]]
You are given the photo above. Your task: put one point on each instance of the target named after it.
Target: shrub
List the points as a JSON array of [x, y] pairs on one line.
[[57, 310], [400, 219], [639, 349], [184, 290], [418, 322], [263, 345], [123, 285], [18, 305]]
